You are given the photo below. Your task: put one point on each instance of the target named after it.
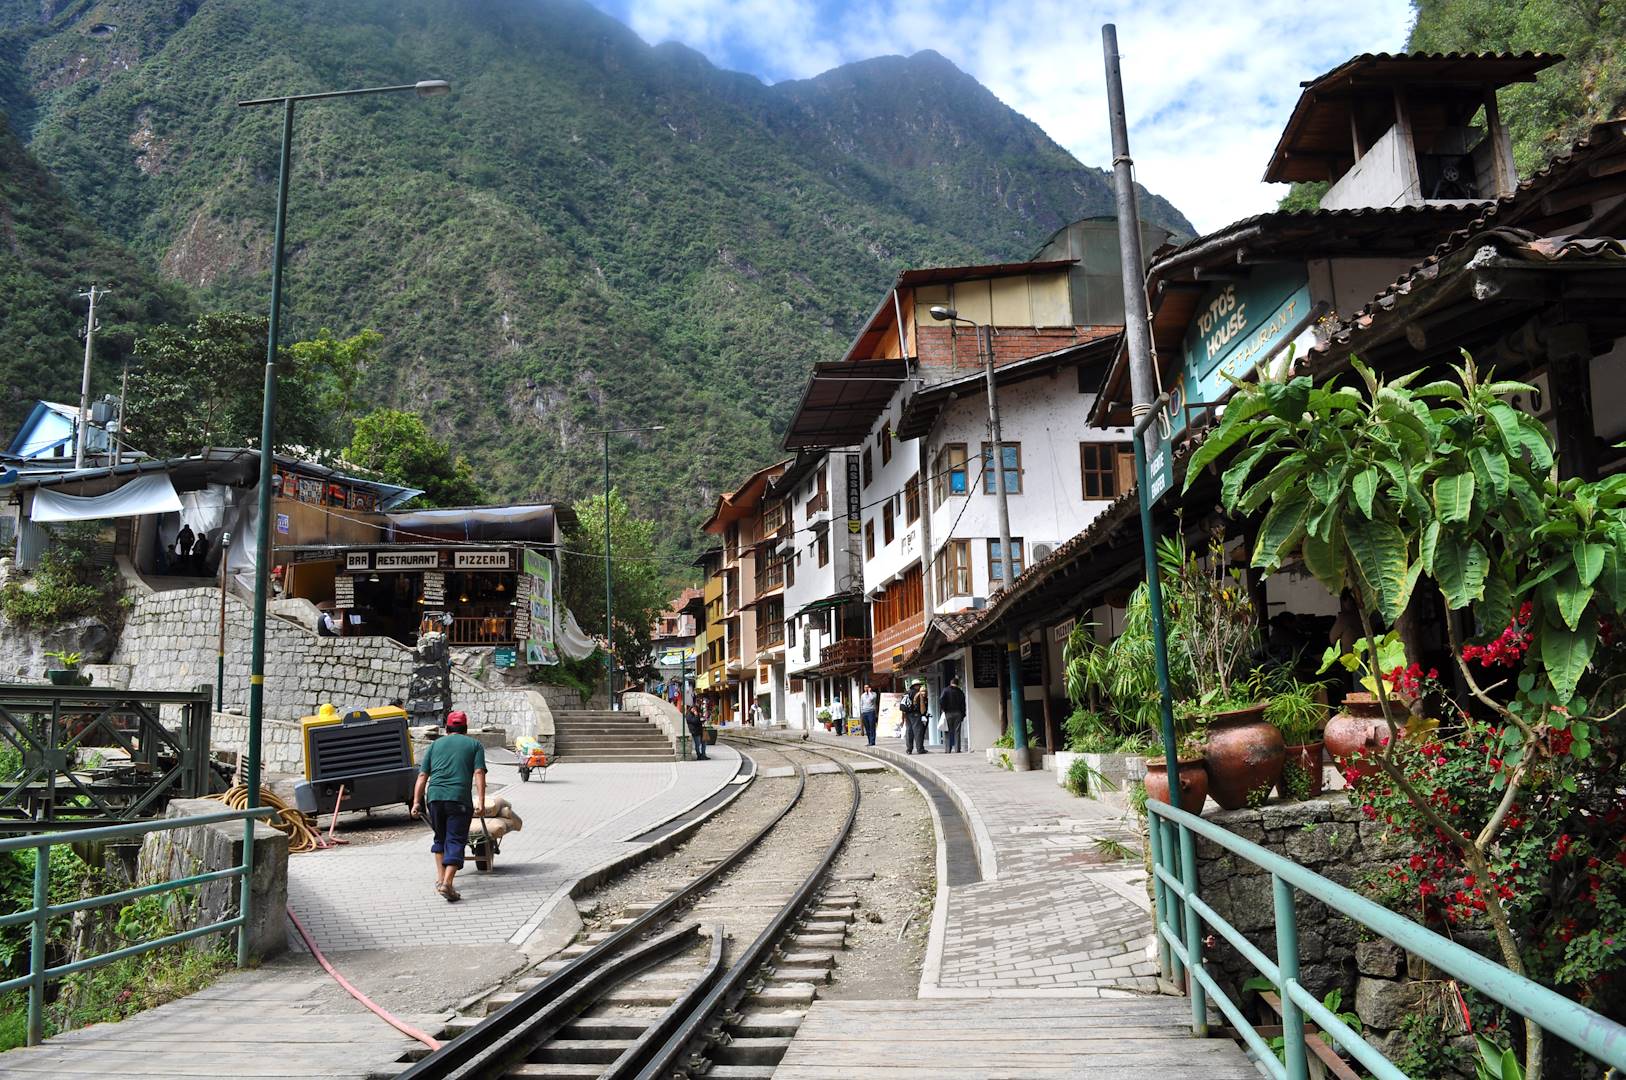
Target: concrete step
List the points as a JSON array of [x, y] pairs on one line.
[[580, 1051], [610, 742], [781, 996], [595, 758], [765, 1025], [750, 1051], [789, 973]]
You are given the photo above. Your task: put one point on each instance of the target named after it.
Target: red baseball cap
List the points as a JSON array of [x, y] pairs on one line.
[[457, 718]]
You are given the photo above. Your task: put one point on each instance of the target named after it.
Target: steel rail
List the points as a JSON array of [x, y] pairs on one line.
[[733, 986], [476, 1045], [657, 1033]]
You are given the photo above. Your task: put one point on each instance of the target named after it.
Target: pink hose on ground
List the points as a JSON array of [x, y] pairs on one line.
[[405, 1029]]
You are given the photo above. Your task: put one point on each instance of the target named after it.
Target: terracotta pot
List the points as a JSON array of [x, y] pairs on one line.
[[1245, 752], [1306, 756], [1193, 783], [1357, 728]]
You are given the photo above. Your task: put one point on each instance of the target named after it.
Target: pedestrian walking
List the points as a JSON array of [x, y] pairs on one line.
[[869, 711], [697, 731], [951, 706], [838, 715], [913, 708], [756, 714], [183, 544], [451, 779]]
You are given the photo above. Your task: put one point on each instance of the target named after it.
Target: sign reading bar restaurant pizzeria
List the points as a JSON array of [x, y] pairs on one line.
[[406, 560], [481, 560]]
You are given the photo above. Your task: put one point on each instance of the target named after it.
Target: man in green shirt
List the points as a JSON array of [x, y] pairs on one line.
[[452, 777]]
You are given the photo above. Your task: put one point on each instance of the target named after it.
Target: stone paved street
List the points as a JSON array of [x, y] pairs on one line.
[[582, 816], [1052, 915]]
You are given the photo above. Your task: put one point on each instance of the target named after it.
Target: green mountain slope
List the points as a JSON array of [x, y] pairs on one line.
[[588, 232], [1546, 116], [48, 253]]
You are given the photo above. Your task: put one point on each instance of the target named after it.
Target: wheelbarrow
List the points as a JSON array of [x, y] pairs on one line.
[[530, 758], [483, 847]]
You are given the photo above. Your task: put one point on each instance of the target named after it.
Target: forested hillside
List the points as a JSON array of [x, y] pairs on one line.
[[48, 254], [1546, 116], [587, 232]]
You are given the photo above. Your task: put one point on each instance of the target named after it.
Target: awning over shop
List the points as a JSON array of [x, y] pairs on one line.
[[150, 494]]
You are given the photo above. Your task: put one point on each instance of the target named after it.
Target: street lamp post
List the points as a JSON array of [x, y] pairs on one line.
[[262, 532], [1013, 656], [609, 591]]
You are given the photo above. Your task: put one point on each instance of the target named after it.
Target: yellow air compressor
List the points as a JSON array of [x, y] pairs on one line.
[[366, 751]]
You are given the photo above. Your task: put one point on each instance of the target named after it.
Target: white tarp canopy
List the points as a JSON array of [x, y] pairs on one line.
[[151, 494]]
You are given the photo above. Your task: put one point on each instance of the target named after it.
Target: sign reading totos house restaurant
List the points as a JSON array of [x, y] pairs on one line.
[[1239, 324]]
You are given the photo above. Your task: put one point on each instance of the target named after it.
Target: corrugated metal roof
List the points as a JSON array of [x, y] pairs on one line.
[[1317, 141]]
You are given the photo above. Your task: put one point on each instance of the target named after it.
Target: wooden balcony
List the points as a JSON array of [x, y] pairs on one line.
[[845, 656], [770, 577]]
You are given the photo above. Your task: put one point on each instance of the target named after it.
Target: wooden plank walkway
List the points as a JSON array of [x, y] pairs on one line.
[[1127, 1038], [262, 1024]]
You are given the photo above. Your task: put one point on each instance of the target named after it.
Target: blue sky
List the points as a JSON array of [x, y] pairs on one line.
[[1207, 83]]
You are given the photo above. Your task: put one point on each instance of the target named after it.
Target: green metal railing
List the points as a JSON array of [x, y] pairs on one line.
[[43, 911], [1181, 913]]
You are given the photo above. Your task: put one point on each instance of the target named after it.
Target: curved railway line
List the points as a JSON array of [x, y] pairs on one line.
[[693, 982]]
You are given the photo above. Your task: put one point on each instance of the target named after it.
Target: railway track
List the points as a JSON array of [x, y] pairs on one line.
[[709, 978]]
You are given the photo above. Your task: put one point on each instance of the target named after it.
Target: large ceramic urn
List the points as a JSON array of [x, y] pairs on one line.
[[1193, 783], [1357, 729], [1245, 754]]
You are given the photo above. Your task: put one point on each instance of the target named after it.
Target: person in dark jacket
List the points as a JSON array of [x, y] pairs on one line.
[[914, 705], [951, 706], [697, 731]]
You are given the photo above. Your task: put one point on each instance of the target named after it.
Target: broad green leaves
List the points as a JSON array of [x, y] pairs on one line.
[[1375, 486]]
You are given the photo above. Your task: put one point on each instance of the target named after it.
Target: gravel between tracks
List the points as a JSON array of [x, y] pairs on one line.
[[889, 863]]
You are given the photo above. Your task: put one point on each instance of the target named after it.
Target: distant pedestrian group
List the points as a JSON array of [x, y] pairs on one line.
[[188, 556]]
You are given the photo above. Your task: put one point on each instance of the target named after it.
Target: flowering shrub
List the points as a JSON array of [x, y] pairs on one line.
[[1376, 491]]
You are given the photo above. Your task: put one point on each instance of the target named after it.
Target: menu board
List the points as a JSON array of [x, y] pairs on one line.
[[985, 666], [344, 591], [434, 587]]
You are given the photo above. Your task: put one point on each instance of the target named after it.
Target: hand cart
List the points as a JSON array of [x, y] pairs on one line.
[[531, 758]]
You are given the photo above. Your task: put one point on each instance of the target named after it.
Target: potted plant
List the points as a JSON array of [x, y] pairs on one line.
[[1299, 711], [68, 673], [824, 717], [1194, 777], [1211, 611]]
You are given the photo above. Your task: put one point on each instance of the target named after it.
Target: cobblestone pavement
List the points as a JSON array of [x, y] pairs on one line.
[[583, 815], [1053, 915]]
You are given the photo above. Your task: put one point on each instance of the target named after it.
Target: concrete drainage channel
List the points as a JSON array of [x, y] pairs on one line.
[[649, 996]]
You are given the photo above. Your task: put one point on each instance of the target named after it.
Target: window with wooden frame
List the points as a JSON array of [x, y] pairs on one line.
[[899, 601], [869, 539], [1012, 465], [948, 473], [823, 546], [996, 560], [886, 442], [911, 500], [953, 570], [1101, 465], [889, 522], [869, 468]]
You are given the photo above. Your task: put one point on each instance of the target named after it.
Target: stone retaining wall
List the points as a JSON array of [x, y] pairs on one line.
[[169, 643], [1379, 980]]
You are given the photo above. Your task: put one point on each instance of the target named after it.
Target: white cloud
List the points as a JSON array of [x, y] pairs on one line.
[[1207, 85]]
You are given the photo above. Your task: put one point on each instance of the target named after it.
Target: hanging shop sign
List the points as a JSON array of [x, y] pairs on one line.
[[503, 656], [406, 560], [357, 560], [1239, 324], [539, 644], [482, 560]]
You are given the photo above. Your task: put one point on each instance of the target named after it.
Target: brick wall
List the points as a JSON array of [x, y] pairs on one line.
[[956, 352]]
